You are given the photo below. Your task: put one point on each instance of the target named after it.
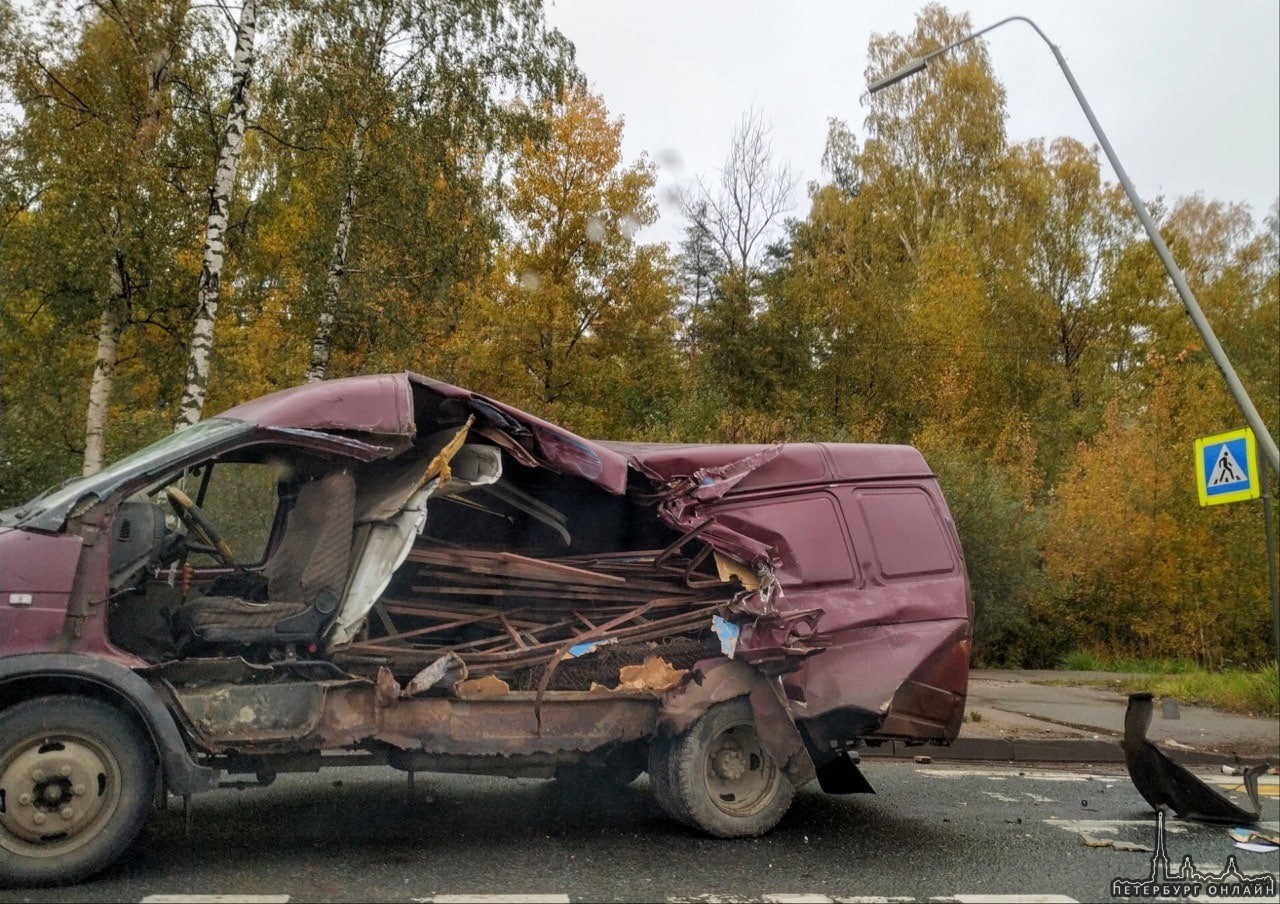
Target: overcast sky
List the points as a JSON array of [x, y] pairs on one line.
[[1188, 91]]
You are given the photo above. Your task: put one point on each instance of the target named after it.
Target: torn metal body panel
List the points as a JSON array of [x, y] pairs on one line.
[[397, 567], [1164, 783]]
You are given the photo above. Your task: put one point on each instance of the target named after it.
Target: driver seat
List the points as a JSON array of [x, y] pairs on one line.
[[305, 575]]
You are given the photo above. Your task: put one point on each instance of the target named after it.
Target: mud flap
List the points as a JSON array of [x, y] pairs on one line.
[[841, 775], [1164, 783]]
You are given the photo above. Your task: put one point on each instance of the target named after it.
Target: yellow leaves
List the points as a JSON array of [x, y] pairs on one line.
[[1128, 534], [575, 311]]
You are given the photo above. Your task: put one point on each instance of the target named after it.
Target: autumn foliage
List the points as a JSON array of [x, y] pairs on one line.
[[993, 303]]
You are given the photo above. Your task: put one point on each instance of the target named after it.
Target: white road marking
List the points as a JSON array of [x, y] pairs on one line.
[[1112, 826], [493, 899], [216, 899], [872, 899], [1003, 798], [796, 899], [1026, 775], [1007, 899]]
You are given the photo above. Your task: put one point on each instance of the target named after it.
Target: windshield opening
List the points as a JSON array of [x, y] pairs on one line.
[[61, 497]]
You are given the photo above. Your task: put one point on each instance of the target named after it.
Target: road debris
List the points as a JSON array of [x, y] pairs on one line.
[[1095, 842], [1164, 783], [1244, 835]]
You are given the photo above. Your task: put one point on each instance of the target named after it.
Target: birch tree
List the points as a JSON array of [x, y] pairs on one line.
[[108, 140], [157, 68], [383, 82], [209, 289]]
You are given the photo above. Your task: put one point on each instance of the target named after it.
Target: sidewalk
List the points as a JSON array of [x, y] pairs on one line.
[[1020, 716]]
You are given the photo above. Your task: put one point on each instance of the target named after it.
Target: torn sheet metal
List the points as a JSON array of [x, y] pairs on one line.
[[383, 405], [380, 404], [1164, 783], [544, 442]]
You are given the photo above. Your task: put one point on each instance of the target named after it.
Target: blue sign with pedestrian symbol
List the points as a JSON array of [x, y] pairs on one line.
[[1227, 468]]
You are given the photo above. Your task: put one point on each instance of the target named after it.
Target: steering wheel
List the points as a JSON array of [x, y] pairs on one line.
[[198, 524]]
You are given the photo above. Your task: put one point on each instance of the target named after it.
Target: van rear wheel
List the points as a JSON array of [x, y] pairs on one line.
[[76, 785], [719, 777]]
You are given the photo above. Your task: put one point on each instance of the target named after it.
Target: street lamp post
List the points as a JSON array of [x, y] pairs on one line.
[[1251, 416]]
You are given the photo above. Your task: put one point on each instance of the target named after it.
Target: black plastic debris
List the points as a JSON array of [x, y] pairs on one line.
[[1163, 783]]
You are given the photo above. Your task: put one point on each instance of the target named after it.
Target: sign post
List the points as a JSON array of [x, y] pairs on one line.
[[1272, 565]]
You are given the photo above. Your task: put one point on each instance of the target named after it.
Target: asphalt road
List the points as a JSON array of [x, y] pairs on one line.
[[932, 831]]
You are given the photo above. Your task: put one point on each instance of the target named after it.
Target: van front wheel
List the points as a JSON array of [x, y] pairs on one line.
[[77, 780], [719, 777]]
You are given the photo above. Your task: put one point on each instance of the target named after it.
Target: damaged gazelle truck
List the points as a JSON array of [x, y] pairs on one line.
[[390, 570]]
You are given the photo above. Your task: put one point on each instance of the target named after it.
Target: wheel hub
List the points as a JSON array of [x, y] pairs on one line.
[[52, 788], [729, 763]]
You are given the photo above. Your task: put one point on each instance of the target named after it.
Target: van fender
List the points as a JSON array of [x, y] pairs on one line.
[[719, 679], [113, 683]]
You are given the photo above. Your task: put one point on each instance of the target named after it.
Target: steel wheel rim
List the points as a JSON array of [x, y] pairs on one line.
[[741, 778], [57, 791]]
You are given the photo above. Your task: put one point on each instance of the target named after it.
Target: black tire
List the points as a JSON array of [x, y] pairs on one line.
[[615, 770], [662, 778], [718, 777], [77, 780]]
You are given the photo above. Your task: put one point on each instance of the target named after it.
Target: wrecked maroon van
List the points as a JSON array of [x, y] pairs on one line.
[[390, 570]]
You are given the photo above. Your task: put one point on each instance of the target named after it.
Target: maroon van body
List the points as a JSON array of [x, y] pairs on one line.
[[392, 570]]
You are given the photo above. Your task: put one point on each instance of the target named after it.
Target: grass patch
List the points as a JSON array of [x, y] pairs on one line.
[[1083, 661], [1089, 661], [1234, 690], [1254, 692]]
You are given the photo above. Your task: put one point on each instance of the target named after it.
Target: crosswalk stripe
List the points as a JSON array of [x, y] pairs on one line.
[[711, 898], [1006, 899], [493, 899], [1022, 774], [216, 899]]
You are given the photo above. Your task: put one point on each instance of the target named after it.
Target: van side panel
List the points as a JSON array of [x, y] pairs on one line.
[[882, 562]]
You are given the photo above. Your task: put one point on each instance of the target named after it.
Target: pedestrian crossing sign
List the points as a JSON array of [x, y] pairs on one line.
[[1227, 468]]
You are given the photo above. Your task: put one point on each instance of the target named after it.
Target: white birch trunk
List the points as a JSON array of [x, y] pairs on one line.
[[104, 374], [117, 305], [319, 358], [208, 292], [318, 363]]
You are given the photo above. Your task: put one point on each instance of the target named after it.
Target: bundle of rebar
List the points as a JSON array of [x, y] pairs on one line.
[[501, 611]]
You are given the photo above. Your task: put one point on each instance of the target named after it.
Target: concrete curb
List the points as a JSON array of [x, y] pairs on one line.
[[1037, 750]]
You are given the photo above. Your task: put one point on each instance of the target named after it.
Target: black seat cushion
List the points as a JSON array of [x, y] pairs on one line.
[[231, 619]]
